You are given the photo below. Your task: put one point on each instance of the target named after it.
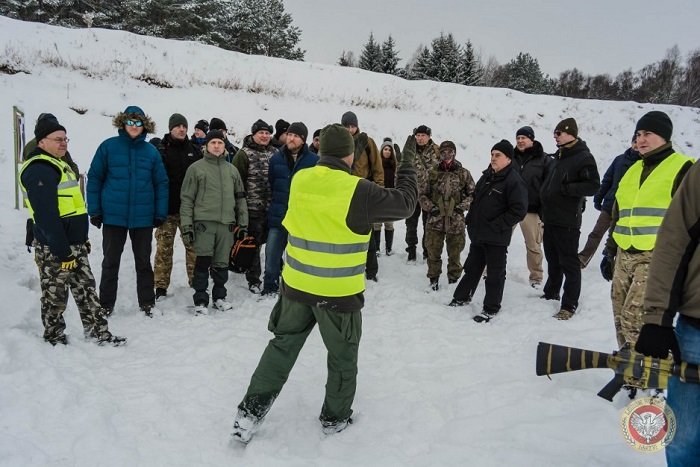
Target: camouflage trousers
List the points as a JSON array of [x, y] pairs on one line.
[[55, 283], [434, 240], [628, 286], [163, 263]]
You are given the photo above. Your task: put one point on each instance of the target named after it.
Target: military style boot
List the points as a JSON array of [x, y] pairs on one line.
[[389, 242]]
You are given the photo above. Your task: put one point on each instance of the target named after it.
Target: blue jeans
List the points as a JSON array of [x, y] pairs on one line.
[[274, 248], [684, 399]]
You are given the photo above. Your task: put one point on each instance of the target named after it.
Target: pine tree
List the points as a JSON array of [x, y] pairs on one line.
[[689, 84], [523, 74], [471, 72], [261, 27], [420, 69], [371, 57], [390, 57]]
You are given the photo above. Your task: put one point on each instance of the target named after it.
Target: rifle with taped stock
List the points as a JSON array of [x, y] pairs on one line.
[[630, 367]]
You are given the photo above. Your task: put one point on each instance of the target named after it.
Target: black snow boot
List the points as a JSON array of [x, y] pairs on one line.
[[411, 253], [377, 239], [389, 242]]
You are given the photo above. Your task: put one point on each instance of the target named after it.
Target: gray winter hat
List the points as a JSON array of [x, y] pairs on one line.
[[349, 118]]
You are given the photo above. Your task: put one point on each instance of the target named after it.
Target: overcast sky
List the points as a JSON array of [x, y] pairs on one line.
[[596, 36]]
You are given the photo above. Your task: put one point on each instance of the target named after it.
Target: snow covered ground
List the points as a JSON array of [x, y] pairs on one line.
[[434, 388]]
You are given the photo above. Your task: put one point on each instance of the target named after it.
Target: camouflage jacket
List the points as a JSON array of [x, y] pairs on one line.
[[253, 162], [450, 189], [427, 158]]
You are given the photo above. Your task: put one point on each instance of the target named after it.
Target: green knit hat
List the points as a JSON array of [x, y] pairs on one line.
[[336, 141]]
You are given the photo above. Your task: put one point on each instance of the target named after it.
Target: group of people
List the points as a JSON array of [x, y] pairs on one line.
[[325, 203]]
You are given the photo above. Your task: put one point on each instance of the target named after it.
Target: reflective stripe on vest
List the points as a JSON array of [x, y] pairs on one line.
[[324, 257], [642, 208], [70, 199]]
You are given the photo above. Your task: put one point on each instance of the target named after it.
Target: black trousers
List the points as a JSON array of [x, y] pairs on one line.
[[372, 265], [561, 252], [412, 227], [257, 227], [200, 281], [113, 240], [493, 257]]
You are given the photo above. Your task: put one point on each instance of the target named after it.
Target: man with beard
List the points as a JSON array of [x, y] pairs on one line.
[[533, 164]]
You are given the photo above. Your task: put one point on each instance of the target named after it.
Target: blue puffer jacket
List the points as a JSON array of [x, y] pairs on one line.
[[281, 170], [605, 198], [127, 183]]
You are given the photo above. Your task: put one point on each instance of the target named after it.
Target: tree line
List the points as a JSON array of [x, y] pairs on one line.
[[671, 80], [262, 27]]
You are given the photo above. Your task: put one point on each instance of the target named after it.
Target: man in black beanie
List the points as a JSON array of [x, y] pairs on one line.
[[178, 154], [573, 175], [316, 142], [280, 136], [218, 124], [323, 281], [533, 164], [641, 200], [29, 147]]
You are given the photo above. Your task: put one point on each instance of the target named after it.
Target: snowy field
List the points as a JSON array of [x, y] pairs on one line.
[[434, 388]]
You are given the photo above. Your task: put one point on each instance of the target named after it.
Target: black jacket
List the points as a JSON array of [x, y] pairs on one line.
[[533, 164], [572, 176], [500, 202], [177, 157], [41, 180]]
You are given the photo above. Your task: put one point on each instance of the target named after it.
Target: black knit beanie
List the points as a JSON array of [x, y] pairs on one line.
[[527, 132], [657, 122], [281, 126], [217, 124], [505, 147], [349, 118], [317, 133], [202, 125], [336, 141], [215, 134], [46, 126], [175, 120], [260, 125], [299, 129], [568, 125]]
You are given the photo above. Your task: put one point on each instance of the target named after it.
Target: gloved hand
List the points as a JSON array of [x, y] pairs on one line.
[[656, 341], [69, 263], [607, 267], [88, 246], [188, 237], [158, 222], [240, 233], [435, 211], [409, 151], [96, 221]]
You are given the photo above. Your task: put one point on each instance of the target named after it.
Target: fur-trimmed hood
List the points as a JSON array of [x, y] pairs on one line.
[[133, 111]]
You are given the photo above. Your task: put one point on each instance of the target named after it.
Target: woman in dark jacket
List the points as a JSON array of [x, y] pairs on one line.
[[500, 202], [389, 163]]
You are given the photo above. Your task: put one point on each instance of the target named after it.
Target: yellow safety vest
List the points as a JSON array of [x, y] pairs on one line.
[[642, 208], [70, 199], [324, 257]]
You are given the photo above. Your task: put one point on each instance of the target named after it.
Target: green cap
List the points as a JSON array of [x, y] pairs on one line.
[[336, 141]]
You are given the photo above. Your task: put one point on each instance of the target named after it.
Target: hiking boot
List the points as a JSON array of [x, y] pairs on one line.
[[244, 427], [564, 314], [255, 287], [62, 339], [109, 338], [269, 293], [434, 283], [372, 277], [451, 280], [161, 293], [222, 305], [411, 253], [484, 317], [550, 297], [201, 309], [536, 285], [456, 302], [107, 311], [147, 309], [331, 428]]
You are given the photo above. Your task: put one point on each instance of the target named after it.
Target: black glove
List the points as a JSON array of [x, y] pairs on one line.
[[435, 211], [240, 233], [96, 221], [88, 246], [188, 238], [158, 222], [69, 263], [656, 341], [607, 267]]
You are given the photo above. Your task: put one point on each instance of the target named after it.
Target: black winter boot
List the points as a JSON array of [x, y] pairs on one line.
[[377, 239], [434, 283], [411, 253], [389, 242]]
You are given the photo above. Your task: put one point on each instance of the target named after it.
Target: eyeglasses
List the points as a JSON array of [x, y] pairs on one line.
[[59, 140], [558, 133], [136, 123]]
